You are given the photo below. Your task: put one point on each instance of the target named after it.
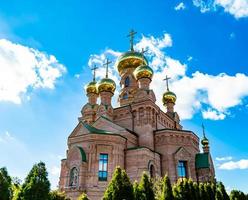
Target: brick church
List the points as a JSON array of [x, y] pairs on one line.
[[137, 135]]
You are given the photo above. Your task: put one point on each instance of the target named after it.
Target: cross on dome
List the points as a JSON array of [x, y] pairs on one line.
[[107, 63], [94, 72], [167, 82], [131, 35]]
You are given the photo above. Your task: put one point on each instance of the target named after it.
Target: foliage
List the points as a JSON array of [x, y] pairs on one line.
[[57, 195], [238, 195], [83, 197], [36, 185], [146, 188], [119, 187], [5, 185], [166, 189]]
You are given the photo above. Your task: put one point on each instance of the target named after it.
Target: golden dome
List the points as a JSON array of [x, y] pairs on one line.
[[143, 71], [205, 141], [169, 97], [106, 85], [91, 88], [130, 59]]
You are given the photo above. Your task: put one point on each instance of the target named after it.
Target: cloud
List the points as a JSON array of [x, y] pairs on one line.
[[202, 93], [237, 8], [224, 158], [55, 170], [213, 114], [23, 69], [180, 6], [232, 165]]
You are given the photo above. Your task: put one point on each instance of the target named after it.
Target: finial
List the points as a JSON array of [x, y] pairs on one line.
[[107, 63], [143, 51], [167, 82], [131, 35], [203, 131], [94, 72]]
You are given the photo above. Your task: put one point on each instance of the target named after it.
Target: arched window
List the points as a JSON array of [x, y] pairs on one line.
[[73, 177], [127, 81], [152, 171]]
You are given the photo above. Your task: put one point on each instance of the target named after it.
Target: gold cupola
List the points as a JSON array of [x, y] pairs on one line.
[[130, 59], [91, 87], [106, 84], [168, 96], [143, 71], [204, 140]]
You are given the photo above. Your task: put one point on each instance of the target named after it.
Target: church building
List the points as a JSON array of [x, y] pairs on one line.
[[137, 135]]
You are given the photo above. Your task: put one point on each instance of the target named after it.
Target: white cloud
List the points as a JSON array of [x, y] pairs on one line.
[[23, 69], [198, 92], [180, 6], [226, 158], [232, 165], [237, 8], [55, 170], [213, 114]]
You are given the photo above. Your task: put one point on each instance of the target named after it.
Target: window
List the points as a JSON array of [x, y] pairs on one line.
[[152, 171], [127, 81], [73, 177], [103, 167], [181, 169]]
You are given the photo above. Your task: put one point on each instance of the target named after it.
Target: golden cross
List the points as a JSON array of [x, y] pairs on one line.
[[143, 51], [107, 63], [131, 35], [167, 82], [94, 72]]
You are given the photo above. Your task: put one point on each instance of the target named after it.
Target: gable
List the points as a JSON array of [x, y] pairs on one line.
[[104, 123], [79, 130], [182, 154]]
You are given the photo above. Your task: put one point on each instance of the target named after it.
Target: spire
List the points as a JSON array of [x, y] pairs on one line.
[[131, 35], [203, 131], [94, 72], [107, 63], [204, 141], [167, 82]]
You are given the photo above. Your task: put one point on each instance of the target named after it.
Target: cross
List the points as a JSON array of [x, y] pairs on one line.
[[131, 35], [107, 63], [167, 82], [143, 52], [203, 129], [94, 72]]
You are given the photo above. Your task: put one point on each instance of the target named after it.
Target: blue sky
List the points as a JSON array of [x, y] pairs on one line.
[[46, 48]]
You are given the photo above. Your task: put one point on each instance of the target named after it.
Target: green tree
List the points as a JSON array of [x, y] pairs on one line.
[[136, 191], [146, 188], [83, 197], [196, 191], [57, 195], [5, 185], [222, 190], [119, 187], [237, 195], [209, 191], [166, 189], [36, 185]]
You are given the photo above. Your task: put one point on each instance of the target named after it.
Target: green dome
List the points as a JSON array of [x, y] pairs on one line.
[[91, 88], [169, 97], [143, 71], [205, 141], [106, 85], [130, 59]]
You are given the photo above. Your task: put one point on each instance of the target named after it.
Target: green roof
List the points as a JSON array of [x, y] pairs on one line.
[[202, 160], [92, 129], [83, 154]]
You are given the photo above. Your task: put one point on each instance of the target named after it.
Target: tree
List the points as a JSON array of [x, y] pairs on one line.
[[5, 185], [166, 189], [222, 190], [36, 185], [145, 188], [119, 187], [136, 191], [237, 195], [56, 195], [83, 197]]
